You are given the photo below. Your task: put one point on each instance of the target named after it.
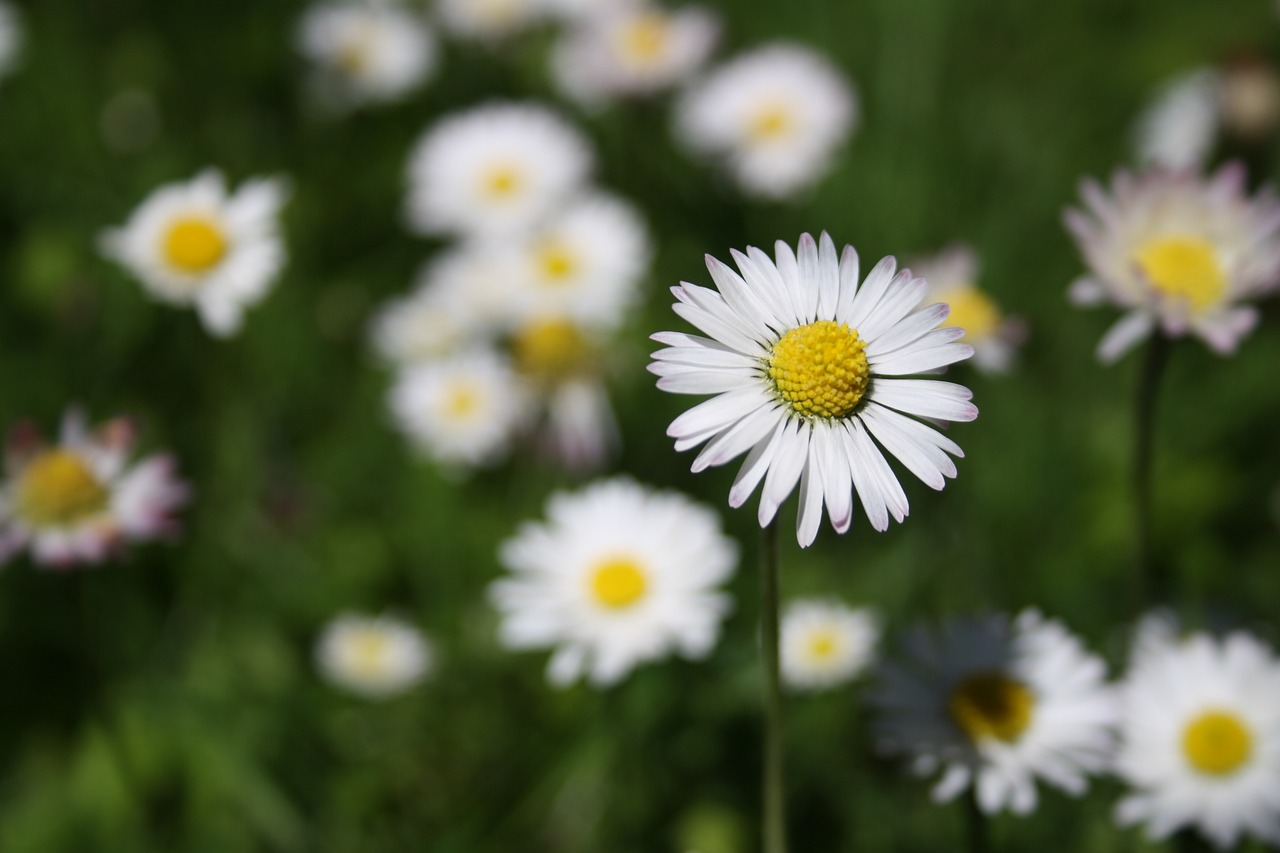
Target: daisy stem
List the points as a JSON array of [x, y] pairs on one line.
[[975, 820], [775, 836], [1148, 583]]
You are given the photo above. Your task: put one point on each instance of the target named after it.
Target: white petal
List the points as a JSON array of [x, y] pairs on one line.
[[828, 277], [755, 466], [703, 381], [872, 290], [926, 398], [788, 462], [717, 413], [909, 361], [739, 438], [1124, 335]]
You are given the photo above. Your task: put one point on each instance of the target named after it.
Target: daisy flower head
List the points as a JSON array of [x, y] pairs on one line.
[[1200, 739], [10, 38], [619, 574], [776, 116], [494, 169], [1178, 253], [194, 243], [372, 656], [825, 643], [806, 367], [1180, 127], [426, 324], [952, 275], [997, 704], [487, 21], [79, 500]]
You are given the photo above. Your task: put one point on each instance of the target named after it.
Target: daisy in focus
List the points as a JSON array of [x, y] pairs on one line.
[[825, 643], [776, 116], [805, 366], [618, 575], [10, 38], [952, 275], [80, 500], [1179, 254], [373, 656], [487, 21], [997, 705], [1200, 739], [197, 244]]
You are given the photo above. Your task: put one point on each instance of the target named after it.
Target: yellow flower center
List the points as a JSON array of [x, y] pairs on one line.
[[770, 122], [57, 488], [1184, 268], [556, 261], [645, 38], [618, 582], [354, 55], [820, 370], [992, 705], [369, 652], [823, 645], [194, 244], [1217, 743], [461, 402], [971, 310], [501, 182], [551, 350]]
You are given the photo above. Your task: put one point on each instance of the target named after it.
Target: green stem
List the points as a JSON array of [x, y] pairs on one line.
[[977, 835], [775, 821], [1149, 583]]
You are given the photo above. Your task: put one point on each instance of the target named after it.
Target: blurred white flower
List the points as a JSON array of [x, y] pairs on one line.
[[952, 275], [428, 323], [776, 116], [825, 643], [579, 11], [195, 244], [10, 38], [80, 500], [373, 656], [619, 575], [1178, 253], [1180, 127], [1200, 739], [487, 20]]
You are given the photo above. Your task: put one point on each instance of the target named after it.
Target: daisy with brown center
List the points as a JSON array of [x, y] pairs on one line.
[[374, 656], [952, 275]]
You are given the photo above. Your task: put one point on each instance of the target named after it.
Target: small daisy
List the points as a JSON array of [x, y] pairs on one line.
[[776, 115], [1177, 253], [373, 656], [952, 275], [80, 500], [804, 364], [825, 643], [1200, 739], [10, 38], [487, 20], [196, 244], [996, 705], [496, 168], [429, 323], [1180, 128], [618, 575]]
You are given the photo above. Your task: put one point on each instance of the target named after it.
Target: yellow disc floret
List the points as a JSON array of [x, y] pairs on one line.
[[1217, 743], [771, 121], [368, 652], [551, 350], [971, 310], [501, 182], [1183, 268], [822, 645], [57, 489], [820, 370], [645, 38], [556, 262], [194, 244], [618, 582], [992, 705]]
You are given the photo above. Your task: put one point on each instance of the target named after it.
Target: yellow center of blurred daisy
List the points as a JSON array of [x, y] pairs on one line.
[[57, 488], [556, 262], [551, 350], [501, 182], [1185, 268], [1217, 743], [618, 582], [770, 122], [822, 645], [461, 402], [353, 57], [820, 370], [971, 310], [992, 705], [194, 244], [645, 38], [369, 652]]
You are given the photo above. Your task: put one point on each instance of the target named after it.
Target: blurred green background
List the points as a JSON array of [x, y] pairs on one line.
[[170, 702]]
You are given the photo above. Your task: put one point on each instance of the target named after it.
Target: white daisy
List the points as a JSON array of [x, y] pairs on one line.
[[495, 168], [487, 20], [80, 500], [10, 38], [373, 656], [618, 575], [366, 50], [1178, 253], [776, 115], [579, 11], [1200, 739], [825, 643], [995, 706], [424, 325], [804, 364], [196, 244], [952, 275], [1180, 127]]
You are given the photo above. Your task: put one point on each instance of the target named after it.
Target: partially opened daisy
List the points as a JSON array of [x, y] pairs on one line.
[[1178, 254], [953, 278], [618, 575], [81, 499], [373, 656], [996, 706], [1200, 738], [806, 368], [825, 643], [197, 244]]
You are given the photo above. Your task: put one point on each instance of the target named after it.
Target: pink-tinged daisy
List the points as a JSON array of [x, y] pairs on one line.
[[806, 370]]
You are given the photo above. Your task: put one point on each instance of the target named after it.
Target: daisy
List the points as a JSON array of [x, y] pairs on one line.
[[996, 705], [804, 366], [10, 38], [618, 575], [487, 20], [1178, 254], [1200, 739], [1180, 128], [196, 244], [435, 319], [952, 275], [373, 656], [825, 643], [81, 499], [497, 168], [776, 116]]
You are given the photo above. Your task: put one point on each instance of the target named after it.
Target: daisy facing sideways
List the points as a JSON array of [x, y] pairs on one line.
[[953, 278], [825, 643], [373, 656], [806, 370]]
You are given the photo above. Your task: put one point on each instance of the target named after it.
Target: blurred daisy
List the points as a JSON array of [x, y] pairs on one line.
[[423, 325], [996, 705], [1177, 253], [196, 244], [487, 20], [81, 499], [366, 51], [10, 38], [776, 115], [804, 366], [1180, 127], [495, 168], [952, 275], [825, 643], [618, 575], [578, 11], [1200, 739], [372, 656]]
